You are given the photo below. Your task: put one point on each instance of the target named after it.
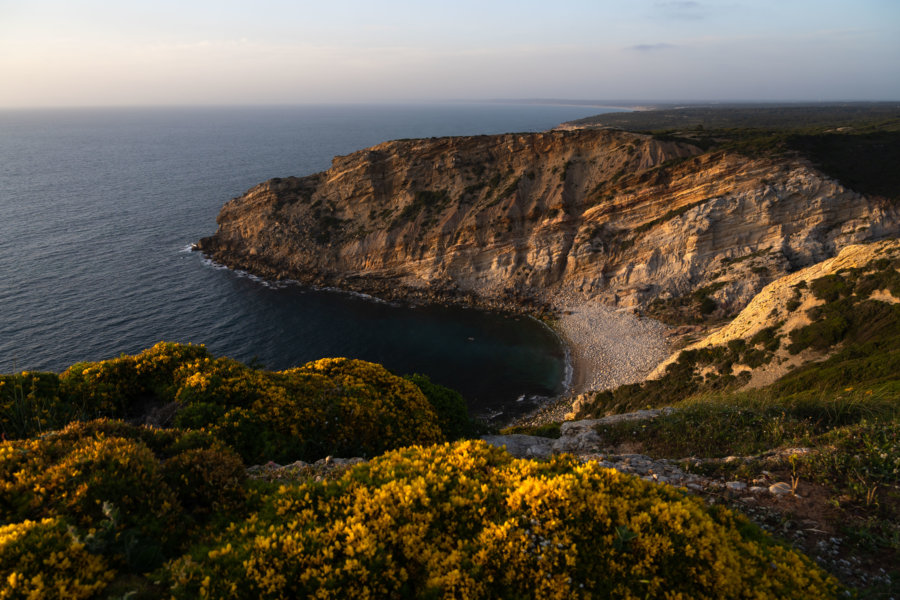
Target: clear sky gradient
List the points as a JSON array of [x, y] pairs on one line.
[[166, 52]]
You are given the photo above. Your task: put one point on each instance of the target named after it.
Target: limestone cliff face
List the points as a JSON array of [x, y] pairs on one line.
[[525, 219]]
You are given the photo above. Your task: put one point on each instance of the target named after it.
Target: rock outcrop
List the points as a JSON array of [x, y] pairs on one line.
[[518, 220]]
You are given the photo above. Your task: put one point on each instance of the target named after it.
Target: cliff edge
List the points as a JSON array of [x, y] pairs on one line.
[[526, 221]]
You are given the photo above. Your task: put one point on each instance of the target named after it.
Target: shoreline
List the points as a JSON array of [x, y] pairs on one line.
[[605, 348], [610, 347]]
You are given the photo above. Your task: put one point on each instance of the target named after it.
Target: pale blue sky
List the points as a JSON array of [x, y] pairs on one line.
[[132, 52]]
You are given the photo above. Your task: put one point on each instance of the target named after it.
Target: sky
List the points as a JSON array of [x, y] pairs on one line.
[[229, 52]]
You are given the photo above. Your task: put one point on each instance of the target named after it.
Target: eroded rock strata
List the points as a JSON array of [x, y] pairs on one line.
[[520, 220]]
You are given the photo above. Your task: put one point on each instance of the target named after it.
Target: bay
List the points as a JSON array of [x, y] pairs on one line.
[[99, 206]]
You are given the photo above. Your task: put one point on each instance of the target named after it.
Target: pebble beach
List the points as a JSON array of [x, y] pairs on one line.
[[607, 347]]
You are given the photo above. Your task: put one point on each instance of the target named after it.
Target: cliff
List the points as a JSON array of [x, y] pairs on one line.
[[528, 220]]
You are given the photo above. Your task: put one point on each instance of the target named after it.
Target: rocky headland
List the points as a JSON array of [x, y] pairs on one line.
[[565, 222]]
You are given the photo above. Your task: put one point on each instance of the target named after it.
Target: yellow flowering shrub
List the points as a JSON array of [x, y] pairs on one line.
[[75, 478], [158, 484], [469, 521], [112, 387], [355, 408], [42, 560], [222, 381], [332, 406], [29, 404]]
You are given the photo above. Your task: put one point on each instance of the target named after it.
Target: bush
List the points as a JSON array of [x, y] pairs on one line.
[[371, 410], [830, 288], [74, 479], [254, 439], [221, 381], [206, 480], [30, 404], [126, 385], [41, 559], [468, 520], [452, 413], [328, 407], [103, 475]]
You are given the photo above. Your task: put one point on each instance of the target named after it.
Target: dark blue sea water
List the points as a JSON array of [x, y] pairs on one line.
[[98, 207]]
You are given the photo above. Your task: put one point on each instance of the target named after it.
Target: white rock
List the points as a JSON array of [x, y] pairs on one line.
[[780, 489]]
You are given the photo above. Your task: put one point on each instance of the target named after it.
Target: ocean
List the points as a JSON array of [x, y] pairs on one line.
[[98, 208]]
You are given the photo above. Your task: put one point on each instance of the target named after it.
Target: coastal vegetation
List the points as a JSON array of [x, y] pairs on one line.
[[469, 521], [331, 406], [93, 505], [854, 143]]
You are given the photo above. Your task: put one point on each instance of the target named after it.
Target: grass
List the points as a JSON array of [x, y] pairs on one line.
[[751, 422]]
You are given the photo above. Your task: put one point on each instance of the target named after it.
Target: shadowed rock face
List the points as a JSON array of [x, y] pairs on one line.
[[522, 220]]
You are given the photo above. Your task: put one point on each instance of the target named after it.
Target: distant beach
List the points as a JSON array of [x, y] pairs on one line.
[[609, 347]]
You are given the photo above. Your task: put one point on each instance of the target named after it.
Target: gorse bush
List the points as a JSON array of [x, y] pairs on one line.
[[331, 406], [467, 520], [159, 491], [123, 386], [42, 559]]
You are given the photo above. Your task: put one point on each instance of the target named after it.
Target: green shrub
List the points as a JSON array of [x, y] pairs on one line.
[[452, 413], [255, 440], [198, 415], [820, 334], [468, 520]]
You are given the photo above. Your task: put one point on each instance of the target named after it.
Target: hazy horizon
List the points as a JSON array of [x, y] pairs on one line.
[[91, 53]]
